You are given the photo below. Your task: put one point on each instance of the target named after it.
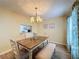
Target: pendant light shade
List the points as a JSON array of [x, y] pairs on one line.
[[36, 18]]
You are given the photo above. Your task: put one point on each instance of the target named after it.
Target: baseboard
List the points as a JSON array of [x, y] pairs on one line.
[[58, 43], [5, 52]]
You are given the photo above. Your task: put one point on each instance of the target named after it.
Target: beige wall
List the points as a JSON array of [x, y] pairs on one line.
[[57, 34], [9, 27]]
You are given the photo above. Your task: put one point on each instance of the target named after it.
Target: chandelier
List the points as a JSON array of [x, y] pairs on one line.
[[36, 18]]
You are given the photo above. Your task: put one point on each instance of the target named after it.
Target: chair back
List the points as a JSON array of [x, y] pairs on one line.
[[15, 48]]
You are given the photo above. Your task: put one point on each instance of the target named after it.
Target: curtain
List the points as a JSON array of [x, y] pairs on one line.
[[72, 34]]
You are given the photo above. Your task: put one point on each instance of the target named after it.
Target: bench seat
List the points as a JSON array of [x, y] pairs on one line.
[[46, 52]]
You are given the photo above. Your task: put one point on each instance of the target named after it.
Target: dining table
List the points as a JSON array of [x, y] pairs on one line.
[[31, 43]]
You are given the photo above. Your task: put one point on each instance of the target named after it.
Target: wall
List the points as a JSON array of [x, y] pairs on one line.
[[56, 31], [9, 27]]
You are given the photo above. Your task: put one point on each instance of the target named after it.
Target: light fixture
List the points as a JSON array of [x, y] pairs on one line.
[[36, 18]]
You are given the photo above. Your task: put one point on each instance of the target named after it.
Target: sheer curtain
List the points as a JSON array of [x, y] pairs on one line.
[[72, 34]]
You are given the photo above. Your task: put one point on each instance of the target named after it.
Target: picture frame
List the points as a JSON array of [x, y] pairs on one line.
[[25, 28]]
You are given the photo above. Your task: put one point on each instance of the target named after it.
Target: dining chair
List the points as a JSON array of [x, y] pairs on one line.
[[20, 53]]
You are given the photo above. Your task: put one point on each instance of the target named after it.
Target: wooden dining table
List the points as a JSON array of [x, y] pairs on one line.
[[32, 43]]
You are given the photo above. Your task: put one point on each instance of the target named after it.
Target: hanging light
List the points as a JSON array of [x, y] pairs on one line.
[[36, 18]]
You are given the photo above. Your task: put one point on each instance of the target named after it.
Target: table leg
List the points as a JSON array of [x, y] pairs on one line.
[[43, 44], [30, 54]]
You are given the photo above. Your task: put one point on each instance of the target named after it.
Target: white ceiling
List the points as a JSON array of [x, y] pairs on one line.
[[46, 8]]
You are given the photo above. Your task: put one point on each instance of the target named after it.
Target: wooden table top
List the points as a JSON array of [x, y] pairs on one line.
[[30, 42]]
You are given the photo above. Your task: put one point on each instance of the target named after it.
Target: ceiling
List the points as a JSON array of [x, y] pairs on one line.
[[46, 8]]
